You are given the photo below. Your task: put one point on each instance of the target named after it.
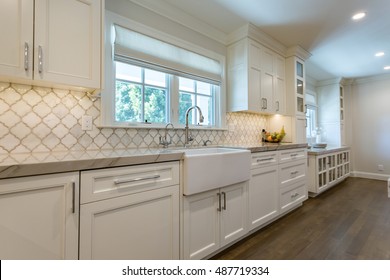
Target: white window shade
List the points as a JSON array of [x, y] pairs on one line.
[[136, 46]]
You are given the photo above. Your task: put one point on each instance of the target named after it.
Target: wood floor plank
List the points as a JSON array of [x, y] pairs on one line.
[[349, 221]]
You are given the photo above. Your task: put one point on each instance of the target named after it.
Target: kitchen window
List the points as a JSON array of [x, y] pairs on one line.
[[152, 79], [311, 117], [141, 95]]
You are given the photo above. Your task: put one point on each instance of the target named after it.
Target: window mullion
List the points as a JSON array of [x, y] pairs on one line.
[[174, 99]]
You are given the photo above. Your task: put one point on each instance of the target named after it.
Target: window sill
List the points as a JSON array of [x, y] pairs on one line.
[[154, 126]]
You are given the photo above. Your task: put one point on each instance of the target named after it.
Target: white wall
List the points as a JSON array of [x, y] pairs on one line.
[[371, 127]]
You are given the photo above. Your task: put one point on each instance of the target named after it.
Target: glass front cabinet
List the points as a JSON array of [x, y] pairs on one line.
[[327, 169]]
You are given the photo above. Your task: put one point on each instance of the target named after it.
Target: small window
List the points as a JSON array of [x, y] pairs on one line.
[[141, 95], [311, 129], [196, 93]]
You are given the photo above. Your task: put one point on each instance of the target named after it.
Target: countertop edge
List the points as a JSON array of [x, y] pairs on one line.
[[324, 151], [22, 168]]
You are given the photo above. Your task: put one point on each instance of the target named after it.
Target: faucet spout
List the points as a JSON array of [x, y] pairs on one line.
[[188, 138]]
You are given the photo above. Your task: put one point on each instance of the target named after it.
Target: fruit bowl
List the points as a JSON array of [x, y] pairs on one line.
[[274, 137]]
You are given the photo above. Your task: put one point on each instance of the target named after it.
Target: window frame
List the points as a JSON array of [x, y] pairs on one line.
[[108, 93], [314, 107]]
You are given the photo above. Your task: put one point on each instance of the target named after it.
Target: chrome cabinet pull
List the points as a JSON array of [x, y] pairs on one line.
[[264, 159], [26, 56], [294, 195], [294, 172], [277, 103], [219, 209], [224, 201], [293, 155], [119, 182], [73, 197], [40, 59], [264, 103]]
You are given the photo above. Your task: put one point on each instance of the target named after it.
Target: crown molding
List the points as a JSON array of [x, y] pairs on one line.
[[182, 18], [299, 52], [250, 30], [370, 79]]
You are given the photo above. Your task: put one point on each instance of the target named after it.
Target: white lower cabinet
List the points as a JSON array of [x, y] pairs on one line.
[[263, 193], [130, 213], [292, 195], [39, 217], [292, 179], [213, 219], [328, 169]]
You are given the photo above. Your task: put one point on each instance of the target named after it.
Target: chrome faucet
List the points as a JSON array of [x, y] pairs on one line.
[[164, 140], [188, 137]]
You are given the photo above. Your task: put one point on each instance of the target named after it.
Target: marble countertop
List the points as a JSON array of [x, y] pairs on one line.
[[327, 150], [18, 165], [265, 147]]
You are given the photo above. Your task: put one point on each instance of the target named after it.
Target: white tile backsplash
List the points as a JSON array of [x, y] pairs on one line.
[[36, 119]]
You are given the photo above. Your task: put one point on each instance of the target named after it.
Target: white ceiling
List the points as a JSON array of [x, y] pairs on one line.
[[339, 46]]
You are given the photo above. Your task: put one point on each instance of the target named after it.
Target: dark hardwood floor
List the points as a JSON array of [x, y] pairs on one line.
[[349, 221]]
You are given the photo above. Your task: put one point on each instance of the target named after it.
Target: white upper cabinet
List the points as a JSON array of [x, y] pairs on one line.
[[255, 78], [16, 29], [50, 43]]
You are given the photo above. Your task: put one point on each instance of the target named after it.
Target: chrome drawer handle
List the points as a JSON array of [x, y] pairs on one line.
[[118, 182], [294, 195], [293, 155], [40, 59], [26, 56], [73, 197], [294, 172], [264, 159]]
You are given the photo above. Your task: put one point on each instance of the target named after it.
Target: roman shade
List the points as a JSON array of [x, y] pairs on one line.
[[134, 47]]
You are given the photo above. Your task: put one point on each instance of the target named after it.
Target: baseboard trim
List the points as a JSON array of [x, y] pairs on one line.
[[367, 175]]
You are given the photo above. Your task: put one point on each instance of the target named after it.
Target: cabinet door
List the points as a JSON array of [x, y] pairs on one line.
[[255, 103], [201, 224], [16, 29], [280, 96], [67, 42], [138, 226], [267, 91], [300, 129], [39, 217], [234, 212], [263, 196]]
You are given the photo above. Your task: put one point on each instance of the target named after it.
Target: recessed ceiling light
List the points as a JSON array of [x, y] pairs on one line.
[[380, 54], [386, 67], [359, 16]]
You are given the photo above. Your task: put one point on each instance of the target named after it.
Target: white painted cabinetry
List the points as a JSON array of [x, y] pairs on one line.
[[256, 78], [130, 212], [39, 217], [328, 169], [213, 219], [51, 42], [295, 92], [292, 178], [263, 192], [330, 94]]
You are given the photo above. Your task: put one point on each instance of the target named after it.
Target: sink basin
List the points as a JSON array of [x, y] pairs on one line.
[[211, 168]]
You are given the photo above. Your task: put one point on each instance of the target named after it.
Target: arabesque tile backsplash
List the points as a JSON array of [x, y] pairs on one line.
[[37, 119]]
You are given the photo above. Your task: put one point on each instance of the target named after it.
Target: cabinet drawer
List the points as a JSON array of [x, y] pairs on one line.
[[292, 172], [292, 196], [264, 159], [114, 182], [292, 155]]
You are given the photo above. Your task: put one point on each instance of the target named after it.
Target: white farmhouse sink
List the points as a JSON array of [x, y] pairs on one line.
[[211, 168]]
